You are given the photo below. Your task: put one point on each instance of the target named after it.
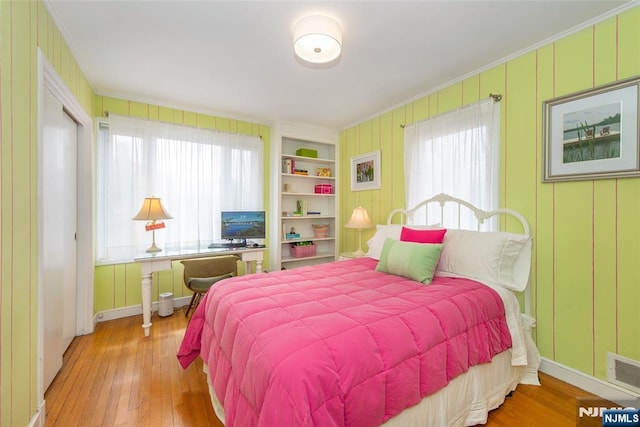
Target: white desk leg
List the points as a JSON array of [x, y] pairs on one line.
[[250, 256], [146, 303]]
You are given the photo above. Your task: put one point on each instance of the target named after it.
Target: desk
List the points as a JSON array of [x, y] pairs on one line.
[[152, 262]]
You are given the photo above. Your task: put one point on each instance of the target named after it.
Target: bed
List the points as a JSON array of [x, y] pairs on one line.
[[425, 330]]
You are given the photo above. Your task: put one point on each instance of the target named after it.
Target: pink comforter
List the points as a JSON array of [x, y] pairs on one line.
[[339, 344]]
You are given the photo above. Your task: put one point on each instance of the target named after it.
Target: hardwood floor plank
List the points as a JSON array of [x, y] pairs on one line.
[[135, 400], [112, 395], [104, 385], [74, 384], [120, 397], [117, 377], [65, 378]]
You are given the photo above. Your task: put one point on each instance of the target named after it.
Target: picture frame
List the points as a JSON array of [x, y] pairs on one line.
[[592, 134], [365, 171]]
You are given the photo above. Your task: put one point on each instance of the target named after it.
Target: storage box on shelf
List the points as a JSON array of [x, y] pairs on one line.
[[307, 152], [302, 251], [323, 189], [292, 235]]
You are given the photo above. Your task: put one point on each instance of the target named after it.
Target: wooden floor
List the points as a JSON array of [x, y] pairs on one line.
[[116, 377]]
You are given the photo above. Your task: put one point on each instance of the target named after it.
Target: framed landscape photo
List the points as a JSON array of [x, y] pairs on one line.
[[592, 134], [365, 171]]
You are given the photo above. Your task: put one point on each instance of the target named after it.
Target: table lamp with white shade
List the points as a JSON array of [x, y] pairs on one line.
[[359, 220], [152, 211]]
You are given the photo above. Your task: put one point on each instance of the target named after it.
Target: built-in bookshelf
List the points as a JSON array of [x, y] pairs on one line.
[[308, 200]]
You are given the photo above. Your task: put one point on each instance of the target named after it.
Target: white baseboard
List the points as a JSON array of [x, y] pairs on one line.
[[135, 310], [604, 389], [38, 418]]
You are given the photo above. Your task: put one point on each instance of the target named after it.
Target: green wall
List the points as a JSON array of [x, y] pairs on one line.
[[24, 26], [118, 285], [585, 268]]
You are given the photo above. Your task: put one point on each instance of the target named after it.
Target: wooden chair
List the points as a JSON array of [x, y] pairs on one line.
[[202, 273]]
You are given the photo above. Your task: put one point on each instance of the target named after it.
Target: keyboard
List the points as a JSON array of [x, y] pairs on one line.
[[227, 245]]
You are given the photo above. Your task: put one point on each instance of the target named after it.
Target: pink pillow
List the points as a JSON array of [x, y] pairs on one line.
[[422, 236]]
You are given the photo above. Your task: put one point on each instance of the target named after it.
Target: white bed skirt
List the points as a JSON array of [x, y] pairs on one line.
[[468, 398]]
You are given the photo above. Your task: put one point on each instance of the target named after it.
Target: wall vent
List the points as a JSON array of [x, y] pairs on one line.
[[624, 372]]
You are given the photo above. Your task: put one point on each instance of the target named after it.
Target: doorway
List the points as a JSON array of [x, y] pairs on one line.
[[78, 207]]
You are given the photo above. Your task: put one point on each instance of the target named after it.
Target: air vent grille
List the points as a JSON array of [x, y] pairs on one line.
[[623, 371]]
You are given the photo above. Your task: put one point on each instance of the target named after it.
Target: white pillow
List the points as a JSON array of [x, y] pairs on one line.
[[498, 258], [391, 231]]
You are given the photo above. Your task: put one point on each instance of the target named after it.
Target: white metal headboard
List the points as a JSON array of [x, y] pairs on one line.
[[480, 215], [443, 199]]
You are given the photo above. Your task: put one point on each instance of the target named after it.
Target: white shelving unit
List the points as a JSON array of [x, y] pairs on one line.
[[294, 187]]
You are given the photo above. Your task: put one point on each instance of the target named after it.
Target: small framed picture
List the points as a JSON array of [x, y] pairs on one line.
[[592, 134], [365, 171]]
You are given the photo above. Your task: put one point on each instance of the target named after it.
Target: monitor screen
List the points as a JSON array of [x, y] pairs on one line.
[[242, 225]]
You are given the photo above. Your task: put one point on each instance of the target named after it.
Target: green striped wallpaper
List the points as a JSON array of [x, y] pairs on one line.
[[24, 26], [586, 271]]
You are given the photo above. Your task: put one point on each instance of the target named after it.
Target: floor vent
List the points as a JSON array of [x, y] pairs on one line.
[[623, 371]]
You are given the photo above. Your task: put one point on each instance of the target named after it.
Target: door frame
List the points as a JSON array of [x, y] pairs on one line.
[[49, 79]]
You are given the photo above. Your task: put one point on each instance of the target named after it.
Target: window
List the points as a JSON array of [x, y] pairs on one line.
[[457, 153], [196, 172]]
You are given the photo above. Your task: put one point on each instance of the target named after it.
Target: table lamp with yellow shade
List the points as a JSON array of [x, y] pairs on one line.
[[153, 212], [359, 220]]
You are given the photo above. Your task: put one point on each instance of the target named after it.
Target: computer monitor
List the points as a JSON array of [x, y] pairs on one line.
[[242, 225]]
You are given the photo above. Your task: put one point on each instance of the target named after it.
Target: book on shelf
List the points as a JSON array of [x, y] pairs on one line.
[[288, 166], [300, 172], [301, 208]]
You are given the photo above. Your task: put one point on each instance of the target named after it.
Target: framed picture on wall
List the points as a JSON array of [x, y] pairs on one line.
[[592, 134], [365, 171]]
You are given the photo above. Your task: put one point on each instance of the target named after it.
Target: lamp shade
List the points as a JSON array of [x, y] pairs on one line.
[[359, 219], [152, 210], [317, 39]]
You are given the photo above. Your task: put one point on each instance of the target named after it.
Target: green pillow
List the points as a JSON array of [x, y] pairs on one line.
[[201, 284], [416, 261]]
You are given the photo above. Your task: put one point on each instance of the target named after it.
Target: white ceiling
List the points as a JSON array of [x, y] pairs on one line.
[[235, 58]]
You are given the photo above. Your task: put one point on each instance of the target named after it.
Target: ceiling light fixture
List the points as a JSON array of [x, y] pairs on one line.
[[317, 40]]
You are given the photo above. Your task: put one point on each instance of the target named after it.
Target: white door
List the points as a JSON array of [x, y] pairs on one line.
[[58, 207]]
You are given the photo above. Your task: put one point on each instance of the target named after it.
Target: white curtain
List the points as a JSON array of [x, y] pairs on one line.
[[457, 153], [197, 173]]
